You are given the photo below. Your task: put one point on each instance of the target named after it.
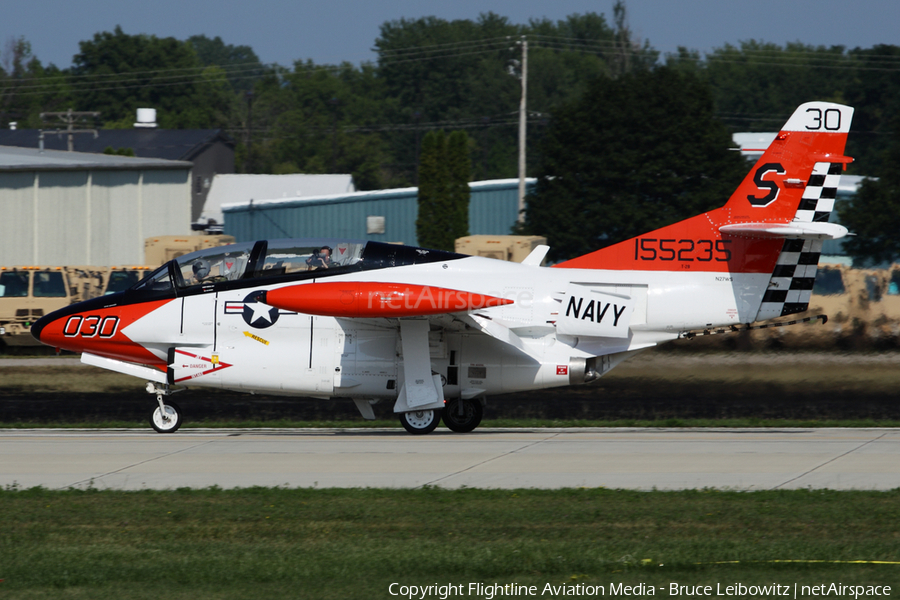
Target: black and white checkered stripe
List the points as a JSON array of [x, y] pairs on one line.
[[792, 281], [790, 287], [820, 192]]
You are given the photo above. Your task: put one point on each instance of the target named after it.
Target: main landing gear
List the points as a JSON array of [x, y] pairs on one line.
[[463, 415], [166, 418], [420, 422], [459, 415]]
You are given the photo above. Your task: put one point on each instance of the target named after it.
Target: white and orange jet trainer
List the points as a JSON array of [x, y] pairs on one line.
[[435, 332]]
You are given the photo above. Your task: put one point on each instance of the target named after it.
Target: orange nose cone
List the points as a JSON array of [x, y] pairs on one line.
[[93, 326], [367, 299]]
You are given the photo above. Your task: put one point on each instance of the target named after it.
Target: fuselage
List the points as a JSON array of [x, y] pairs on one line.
[[217, 333]]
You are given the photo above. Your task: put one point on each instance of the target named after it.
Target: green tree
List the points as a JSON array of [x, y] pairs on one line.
[[756, 84], [434, 194], [631, 155], [27, 88], [872, 87], [240, 64], [323, 119], [454, 74], [874, 213], [459, 173], [444, 172], [116, 73]]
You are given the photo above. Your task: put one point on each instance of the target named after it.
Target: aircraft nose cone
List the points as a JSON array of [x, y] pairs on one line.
[[39, 326]]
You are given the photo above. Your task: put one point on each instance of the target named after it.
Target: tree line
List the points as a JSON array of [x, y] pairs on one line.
[[588, 80]]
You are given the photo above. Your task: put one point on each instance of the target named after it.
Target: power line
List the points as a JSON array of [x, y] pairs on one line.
[[161, 80], [155, 84], [153, 71], [391, 52], [509, 120], [75, 84]]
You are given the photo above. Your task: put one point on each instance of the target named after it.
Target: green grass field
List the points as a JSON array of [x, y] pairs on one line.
[[306, 543]]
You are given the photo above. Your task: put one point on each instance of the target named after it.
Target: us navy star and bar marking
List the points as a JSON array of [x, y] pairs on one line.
[[255, 313]]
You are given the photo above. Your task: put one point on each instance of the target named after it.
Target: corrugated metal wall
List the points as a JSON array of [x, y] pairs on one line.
[[494, 207], [165, 205], [114, 196], [493, 210], [62, 227], [16, 215], [337, 217], [89, 217]]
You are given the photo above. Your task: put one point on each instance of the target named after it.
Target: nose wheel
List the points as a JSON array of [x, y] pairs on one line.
[[166, 417], [420, 422]]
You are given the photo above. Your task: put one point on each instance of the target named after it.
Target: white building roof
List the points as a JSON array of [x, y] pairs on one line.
[[32, 159]]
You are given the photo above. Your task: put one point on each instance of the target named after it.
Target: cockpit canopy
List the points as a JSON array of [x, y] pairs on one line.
[[287, 259], [281, 257]]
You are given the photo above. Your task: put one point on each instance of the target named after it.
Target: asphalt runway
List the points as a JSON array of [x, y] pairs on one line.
[[634, 458]]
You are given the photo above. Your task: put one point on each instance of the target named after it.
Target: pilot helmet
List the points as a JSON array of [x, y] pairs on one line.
[[201, 268]]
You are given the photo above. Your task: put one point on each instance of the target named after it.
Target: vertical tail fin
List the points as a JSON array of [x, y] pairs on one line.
[[788, 195]]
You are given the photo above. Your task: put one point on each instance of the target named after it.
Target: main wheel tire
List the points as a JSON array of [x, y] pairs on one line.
[[168, 423], [472, 413], [420, 422]]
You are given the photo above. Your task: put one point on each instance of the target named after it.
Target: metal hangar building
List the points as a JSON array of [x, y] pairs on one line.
[[383, 215], [210, 150], [76, 208]]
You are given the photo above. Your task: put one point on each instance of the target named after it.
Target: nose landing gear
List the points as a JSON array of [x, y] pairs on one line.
[[165, 418]]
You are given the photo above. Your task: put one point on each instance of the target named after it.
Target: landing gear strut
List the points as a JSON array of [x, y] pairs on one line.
[[463, 415], [420, 422], [166, 418]]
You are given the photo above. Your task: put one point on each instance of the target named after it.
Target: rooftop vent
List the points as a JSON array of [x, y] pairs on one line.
[[146, 117]]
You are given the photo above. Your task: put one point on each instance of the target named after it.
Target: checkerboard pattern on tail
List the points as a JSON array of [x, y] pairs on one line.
[[820, 192], [795, 274]]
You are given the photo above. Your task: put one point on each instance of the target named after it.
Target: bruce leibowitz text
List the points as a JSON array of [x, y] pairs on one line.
[[492, 591]]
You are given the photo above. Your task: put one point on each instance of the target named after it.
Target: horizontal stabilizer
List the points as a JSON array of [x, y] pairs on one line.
[[368, 299], [793, 230]]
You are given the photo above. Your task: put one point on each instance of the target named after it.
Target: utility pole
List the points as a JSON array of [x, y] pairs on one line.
[[523, 116], [69, 118]]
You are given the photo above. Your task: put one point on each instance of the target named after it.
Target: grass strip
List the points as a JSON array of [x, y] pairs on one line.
[[353, 543]]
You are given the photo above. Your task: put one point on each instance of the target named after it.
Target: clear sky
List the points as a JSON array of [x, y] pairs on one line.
[[331, 31]]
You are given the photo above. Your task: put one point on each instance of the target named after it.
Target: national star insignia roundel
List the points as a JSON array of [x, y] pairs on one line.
[[258, 315]]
